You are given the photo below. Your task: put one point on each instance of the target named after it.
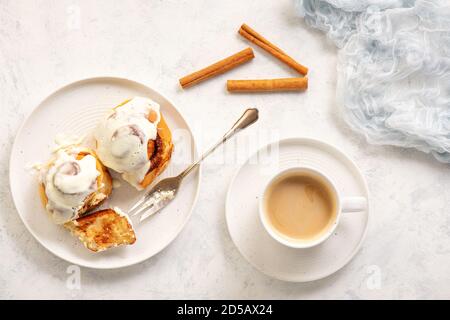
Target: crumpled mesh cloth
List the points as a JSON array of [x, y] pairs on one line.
[[393, 68]]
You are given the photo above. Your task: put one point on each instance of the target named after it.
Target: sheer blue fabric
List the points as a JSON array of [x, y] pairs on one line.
[[393, 68]]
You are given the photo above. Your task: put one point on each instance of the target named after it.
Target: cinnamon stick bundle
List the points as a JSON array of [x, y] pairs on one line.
[[265, 44], [284, 84], [217, 68]]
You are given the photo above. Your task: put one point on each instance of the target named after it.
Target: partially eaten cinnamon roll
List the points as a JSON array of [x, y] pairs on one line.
[[103, 229], [73, 182], [135, 141]]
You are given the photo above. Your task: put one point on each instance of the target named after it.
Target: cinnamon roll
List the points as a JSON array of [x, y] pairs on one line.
[[73, 182], [135, 141]]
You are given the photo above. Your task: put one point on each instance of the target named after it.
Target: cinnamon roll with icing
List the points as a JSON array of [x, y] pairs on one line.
[[72, 183], [135, 141]]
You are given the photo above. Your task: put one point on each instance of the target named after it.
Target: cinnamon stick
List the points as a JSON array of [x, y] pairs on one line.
[[262, 42], [217, 68], [258, 36], [284, 84]]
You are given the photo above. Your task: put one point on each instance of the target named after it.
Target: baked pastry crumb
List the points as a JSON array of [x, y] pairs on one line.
[[102, 230]]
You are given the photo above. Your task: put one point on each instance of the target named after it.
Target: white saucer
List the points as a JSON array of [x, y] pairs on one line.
[[252, 240], [76, 109]]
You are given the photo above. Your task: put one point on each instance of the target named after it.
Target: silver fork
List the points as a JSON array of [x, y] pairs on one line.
[[165, 190]]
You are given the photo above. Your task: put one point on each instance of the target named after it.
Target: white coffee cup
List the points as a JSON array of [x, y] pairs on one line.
[[343, 205]]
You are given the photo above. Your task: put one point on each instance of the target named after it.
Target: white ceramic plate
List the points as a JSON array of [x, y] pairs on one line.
[[253, 241], [76, 109]]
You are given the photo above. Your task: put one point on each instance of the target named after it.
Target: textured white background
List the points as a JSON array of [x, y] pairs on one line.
[[47, 44]]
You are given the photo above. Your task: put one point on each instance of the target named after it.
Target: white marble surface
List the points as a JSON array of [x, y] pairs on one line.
[[47, 44]]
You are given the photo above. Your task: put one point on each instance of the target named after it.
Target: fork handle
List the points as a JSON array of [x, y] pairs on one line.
[[249, 117]]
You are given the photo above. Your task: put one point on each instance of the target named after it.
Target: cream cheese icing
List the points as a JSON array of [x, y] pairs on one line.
[[123, 136], [67, 183]]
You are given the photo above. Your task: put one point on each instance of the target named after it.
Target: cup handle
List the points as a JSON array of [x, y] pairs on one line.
[[354, 204]]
